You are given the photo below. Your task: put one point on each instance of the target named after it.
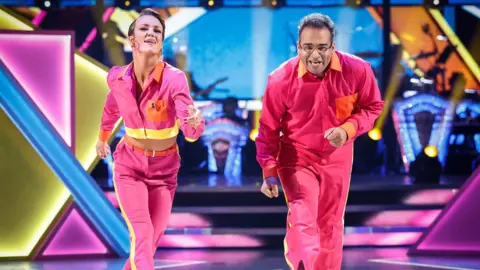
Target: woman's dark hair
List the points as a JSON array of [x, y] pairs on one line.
[[148, 12]]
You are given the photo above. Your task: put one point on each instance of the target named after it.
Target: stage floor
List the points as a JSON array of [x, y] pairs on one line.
[[202, 181], [358, 259]]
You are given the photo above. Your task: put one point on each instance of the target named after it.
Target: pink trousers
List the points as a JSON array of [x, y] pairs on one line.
[[145, 188], [316, 189]]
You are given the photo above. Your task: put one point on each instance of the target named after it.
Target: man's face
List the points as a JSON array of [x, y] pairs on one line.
[[315, 49]]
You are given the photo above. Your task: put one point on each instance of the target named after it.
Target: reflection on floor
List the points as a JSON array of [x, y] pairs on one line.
[[358, 259]]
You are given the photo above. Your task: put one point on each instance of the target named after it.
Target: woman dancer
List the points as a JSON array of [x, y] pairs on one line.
[[154, 101]]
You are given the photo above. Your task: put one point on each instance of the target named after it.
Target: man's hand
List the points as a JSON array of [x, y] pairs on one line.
[[337, 136], [270, 187], [194, 116], [103, 149]]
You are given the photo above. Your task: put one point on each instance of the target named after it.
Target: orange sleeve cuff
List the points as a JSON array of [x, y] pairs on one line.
[[350, 129], [270, 171], [104, 135]]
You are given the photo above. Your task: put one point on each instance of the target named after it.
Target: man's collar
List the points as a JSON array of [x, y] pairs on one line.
[[334, 64]]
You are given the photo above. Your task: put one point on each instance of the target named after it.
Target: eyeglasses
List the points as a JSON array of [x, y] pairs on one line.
[[309, 48]]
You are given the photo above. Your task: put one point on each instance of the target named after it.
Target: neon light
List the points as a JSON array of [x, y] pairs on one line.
[[93, 33], [39, 18], [8, 21], [466, 56], [90, 81], [75, 237], [421, 218], [36, 129], [19, 241], [204, 241], [429, 197], [51, 91], [381, 239], [244, 241], [403, 115], [91, 90], [455, 228]]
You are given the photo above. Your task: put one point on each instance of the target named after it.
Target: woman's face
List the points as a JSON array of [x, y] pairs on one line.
[[148, 35]]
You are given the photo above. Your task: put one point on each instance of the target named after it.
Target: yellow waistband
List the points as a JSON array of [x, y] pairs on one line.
[[140, 133]]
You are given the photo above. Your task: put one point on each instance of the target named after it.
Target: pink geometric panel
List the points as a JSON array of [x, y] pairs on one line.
[[75, 237], [455, 231], [27, 55]]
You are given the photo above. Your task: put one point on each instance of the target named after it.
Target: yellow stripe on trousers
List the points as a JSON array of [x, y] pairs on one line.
[[129, 225], [285, 245]]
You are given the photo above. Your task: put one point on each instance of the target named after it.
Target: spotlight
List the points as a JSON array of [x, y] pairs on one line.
[[273, 4], [127, 4], [190, 140], [375, 134], [211, 4], [435, 3], [47, 4], [358, 3], [253, 134], [431, 151], [426, 169]]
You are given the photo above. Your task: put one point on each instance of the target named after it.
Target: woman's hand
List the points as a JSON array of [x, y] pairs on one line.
[[103, 149], [194, 116]]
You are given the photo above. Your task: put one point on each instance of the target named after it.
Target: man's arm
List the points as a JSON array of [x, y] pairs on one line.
[[268, 139], [369, 107]]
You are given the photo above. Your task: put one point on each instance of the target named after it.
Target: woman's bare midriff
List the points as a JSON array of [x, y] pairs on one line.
[[150, 144]]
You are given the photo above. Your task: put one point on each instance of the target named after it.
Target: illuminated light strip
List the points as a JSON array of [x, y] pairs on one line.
[[9, 21], [57, 106], [179, 264], [93, 33], [100, 212], [407, 132], [466, 56], [434, 266], [88, 69], [37, 20], [85, 242], [391, 91], [88, 160], [56, 154], [475, 11], [59, 202]]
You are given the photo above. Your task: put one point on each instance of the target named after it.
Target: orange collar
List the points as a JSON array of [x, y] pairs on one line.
[[156, 74], [334, 64]]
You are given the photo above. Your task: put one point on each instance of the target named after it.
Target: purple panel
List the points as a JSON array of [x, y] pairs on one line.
[[455, 231], [31, 57], [75, 237]]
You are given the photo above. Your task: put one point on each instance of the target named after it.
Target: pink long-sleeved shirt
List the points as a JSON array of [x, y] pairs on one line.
[[303, 106], [161, 110]]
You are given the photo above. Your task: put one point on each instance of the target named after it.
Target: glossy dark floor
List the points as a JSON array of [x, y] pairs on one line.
[[358, 259]]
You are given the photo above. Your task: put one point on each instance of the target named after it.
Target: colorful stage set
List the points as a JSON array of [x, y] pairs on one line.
[[51, 207]]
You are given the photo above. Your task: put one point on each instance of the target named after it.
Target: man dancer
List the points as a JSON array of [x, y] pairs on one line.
[[320, 101]]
